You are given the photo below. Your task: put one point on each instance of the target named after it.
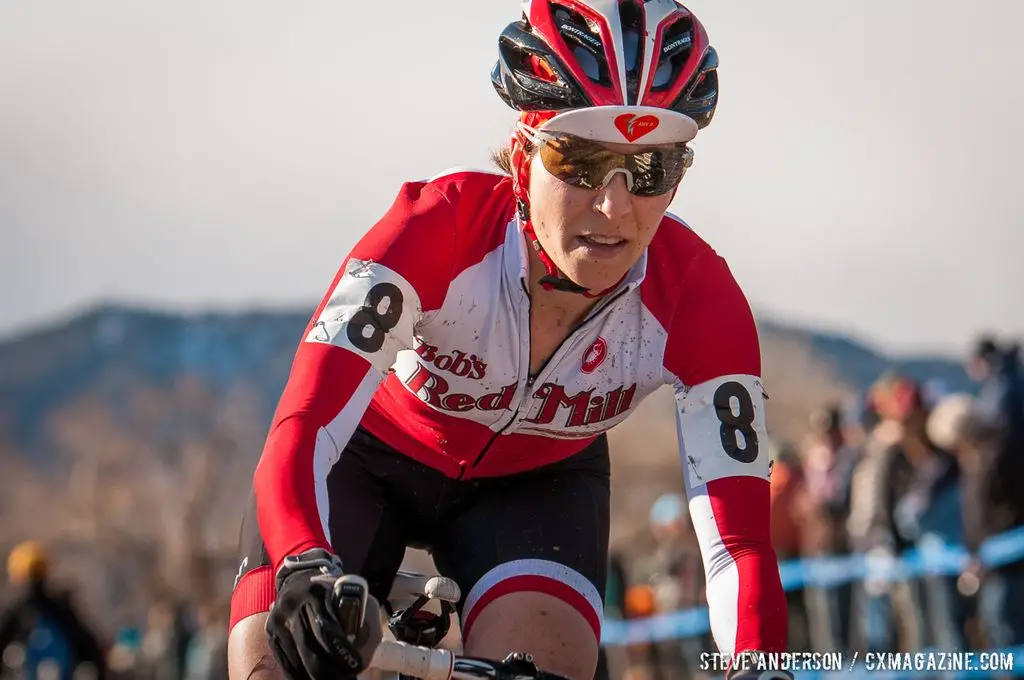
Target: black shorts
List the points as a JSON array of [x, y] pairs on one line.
[[544, 530]]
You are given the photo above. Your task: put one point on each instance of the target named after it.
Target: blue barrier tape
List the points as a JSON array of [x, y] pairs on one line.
[[827, 572]]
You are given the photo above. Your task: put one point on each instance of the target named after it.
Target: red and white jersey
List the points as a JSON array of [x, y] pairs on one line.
[[424, 339]]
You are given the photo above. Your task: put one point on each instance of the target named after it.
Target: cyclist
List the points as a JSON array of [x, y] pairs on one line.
[[454, 387]]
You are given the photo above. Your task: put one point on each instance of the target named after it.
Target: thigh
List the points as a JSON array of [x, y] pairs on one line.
[[366, 527], [539, 538], [376, 505]]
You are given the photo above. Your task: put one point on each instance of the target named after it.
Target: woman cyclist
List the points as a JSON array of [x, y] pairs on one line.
[[454, 387]]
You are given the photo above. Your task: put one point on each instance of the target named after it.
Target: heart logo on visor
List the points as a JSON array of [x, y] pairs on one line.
[[633, 127]]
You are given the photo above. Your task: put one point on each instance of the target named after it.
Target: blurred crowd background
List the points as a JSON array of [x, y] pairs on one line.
[[901, 467]]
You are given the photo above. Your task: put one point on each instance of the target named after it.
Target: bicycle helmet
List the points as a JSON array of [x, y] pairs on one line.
[[625, 71]]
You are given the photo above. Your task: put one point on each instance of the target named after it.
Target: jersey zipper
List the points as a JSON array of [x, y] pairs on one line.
[[487, 446], [531, 379], [521, 391]]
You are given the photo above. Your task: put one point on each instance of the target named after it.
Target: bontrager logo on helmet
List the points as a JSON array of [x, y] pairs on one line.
[[634, 127]]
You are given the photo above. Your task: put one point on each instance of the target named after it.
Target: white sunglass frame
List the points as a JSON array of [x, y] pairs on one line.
[[539, 137]]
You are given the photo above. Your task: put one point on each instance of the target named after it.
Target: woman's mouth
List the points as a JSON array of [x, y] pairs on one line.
[[601, 246]]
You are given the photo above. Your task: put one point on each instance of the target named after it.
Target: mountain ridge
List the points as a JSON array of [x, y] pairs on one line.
[[105, 349]]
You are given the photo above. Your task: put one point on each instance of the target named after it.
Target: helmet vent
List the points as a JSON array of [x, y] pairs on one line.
[[675, 50], [632, 19], [584, 41]]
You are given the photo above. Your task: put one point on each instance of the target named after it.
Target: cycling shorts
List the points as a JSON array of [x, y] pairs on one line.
[[544, 530]]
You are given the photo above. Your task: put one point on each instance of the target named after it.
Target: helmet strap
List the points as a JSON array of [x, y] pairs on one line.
[[553, 279]]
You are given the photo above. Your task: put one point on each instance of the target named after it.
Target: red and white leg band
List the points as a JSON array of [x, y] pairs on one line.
[[538, 576]]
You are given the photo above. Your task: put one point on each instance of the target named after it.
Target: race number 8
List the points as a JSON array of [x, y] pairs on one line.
[[739, 438], [370, 317]]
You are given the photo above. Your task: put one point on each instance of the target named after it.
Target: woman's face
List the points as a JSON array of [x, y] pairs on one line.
[[594, 236]]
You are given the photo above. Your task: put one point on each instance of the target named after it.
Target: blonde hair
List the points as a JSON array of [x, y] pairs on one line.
[[502, 157]]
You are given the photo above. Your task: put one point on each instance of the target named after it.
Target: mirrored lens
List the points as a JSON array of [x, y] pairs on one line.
[[586, 164]]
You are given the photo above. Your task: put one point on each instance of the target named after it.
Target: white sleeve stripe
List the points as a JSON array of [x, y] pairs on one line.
[[714, 446], [332, 439], [723, 577]]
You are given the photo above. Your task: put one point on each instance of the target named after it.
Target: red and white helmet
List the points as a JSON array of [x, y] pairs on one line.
[[610, 70]]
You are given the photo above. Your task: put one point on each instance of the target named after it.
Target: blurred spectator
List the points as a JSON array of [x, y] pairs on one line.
[[41, 635], [859, 419], [675, 577], [950, 420], [206, 657], [829, 465], [910, 498], [1001, 393], [787, 493], [162, 655], [615, 593], [928, 516], [787, 487], [992, 503], [121, 658], [884, 609], [828, 469], [883, 473], [646, 659], [614, 606], [676, 569], [953, 425]]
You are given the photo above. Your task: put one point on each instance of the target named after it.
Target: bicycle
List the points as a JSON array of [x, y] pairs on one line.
[[414, 653]]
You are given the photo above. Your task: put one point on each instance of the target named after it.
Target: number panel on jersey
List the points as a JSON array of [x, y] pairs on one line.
[[371, 311], [722, 429]]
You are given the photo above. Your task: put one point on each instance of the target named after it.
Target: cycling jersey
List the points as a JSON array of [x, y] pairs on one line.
[[423, 339]]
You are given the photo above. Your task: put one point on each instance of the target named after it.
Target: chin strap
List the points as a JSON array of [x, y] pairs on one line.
[[520, 161], [554, 279]]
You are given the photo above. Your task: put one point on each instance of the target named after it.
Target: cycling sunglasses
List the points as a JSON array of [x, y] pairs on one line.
[[588, 164]]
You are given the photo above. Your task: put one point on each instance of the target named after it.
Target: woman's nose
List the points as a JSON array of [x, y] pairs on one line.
[[613, 200]]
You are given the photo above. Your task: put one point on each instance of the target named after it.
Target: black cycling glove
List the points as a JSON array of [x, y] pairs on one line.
[[310, 638]]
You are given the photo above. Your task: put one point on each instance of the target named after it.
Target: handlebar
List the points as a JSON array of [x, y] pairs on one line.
[[349, 598], [441, 664], [421, 662]]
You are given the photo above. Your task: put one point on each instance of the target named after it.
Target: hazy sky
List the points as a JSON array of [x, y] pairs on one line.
[[863, 172]]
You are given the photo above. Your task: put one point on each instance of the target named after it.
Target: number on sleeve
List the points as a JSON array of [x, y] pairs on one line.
[[739, 439], [369, 325]]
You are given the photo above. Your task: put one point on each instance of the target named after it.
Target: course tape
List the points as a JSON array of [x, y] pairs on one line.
[[933, 558]]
